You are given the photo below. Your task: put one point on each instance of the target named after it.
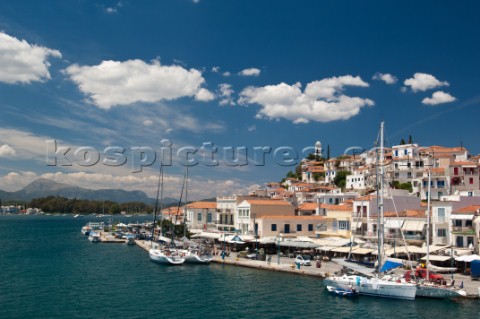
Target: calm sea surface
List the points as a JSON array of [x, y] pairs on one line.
[[48, 269]]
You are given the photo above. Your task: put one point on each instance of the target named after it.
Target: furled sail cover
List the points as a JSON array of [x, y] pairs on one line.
[[389, 265]]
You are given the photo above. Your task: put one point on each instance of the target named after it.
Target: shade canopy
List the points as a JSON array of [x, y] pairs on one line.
[[468, 258]]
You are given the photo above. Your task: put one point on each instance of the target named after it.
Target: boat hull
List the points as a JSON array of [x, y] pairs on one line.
[[374, 287], [161, 258], [195, 259], [433, 291]]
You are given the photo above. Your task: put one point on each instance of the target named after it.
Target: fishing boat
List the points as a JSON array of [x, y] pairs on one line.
[[342, 292], [86, 230], [130, 240], [94, 237], [368, 282]]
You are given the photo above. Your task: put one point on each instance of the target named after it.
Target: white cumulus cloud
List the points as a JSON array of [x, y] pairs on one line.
[[121, 83], [147, 122], [250, 72], [329, 87], [423, 82], [385, 77], [22, 62], [7, 151], [225, 93], [321, 101], [438, 97], [204, 95]]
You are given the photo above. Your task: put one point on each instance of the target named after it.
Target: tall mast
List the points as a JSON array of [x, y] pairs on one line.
[[186, 203], [160, 183], [380, 200], [428, 223]]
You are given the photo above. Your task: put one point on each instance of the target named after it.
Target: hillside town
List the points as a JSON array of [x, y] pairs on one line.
[[313, 212]]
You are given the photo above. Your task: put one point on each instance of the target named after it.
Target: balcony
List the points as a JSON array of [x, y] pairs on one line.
[[465, 230], [223, 222]]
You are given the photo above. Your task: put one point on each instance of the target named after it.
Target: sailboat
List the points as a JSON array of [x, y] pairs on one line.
[[427, 288], [193, 255], [367, 283], [156, 253]]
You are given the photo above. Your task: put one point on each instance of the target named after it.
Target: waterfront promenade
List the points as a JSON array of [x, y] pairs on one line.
[[285, 264]]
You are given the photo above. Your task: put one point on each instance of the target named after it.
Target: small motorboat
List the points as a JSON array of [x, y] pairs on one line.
[[342, 292]]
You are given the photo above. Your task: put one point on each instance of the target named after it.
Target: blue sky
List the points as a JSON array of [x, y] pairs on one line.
[[92, 75]]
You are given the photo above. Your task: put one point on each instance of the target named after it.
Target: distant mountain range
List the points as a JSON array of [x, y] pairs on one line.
[[44, 187]]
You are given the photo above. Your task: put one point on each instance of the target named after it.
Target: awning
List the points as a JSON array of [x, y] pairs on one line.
[[414, 225], [325, 248], [437, 258], [208, 235], [468, 258], [393, 223], [343, 250], [299, 244], [362, 251], [268, 240], [462, 216]]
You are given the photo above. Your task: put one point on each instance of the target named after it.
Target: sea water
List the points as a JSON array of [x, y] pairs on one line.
[[48, 269]]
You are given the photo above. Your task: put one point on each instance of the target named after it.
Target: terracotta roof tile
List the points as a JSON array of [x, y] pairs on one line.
[[202, 205]]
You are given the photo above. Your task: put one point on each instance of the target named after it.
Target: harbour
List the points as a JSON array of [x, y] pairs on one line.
[[288, 265], [53, 271]]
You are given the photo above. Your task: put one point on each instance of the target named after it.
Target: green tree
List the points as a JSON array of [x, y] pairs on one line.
[[341, 178]]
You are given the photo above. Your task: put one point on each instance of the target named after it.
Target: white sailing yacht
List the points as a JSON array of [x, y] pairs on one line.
[[367, 283], [156, 253], [428, 289]]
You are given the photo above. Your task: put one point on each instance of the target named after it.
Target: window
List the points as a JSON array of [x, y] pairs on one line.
[[457, 223], [310, 227], [441, 214], [274, 227], [470, 180], [209, 217], [441, 232], [299, 227], [405, 152], [455, 171], [469, 240], [468, 223], [396, 153], [342, 224], [441, 184], [199, 217]]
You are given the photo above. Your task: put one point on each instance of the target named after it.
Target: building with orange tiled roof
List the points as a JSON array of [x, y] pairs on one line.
[[274, 225], [250, 209], [173, 214], [200, 215]]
